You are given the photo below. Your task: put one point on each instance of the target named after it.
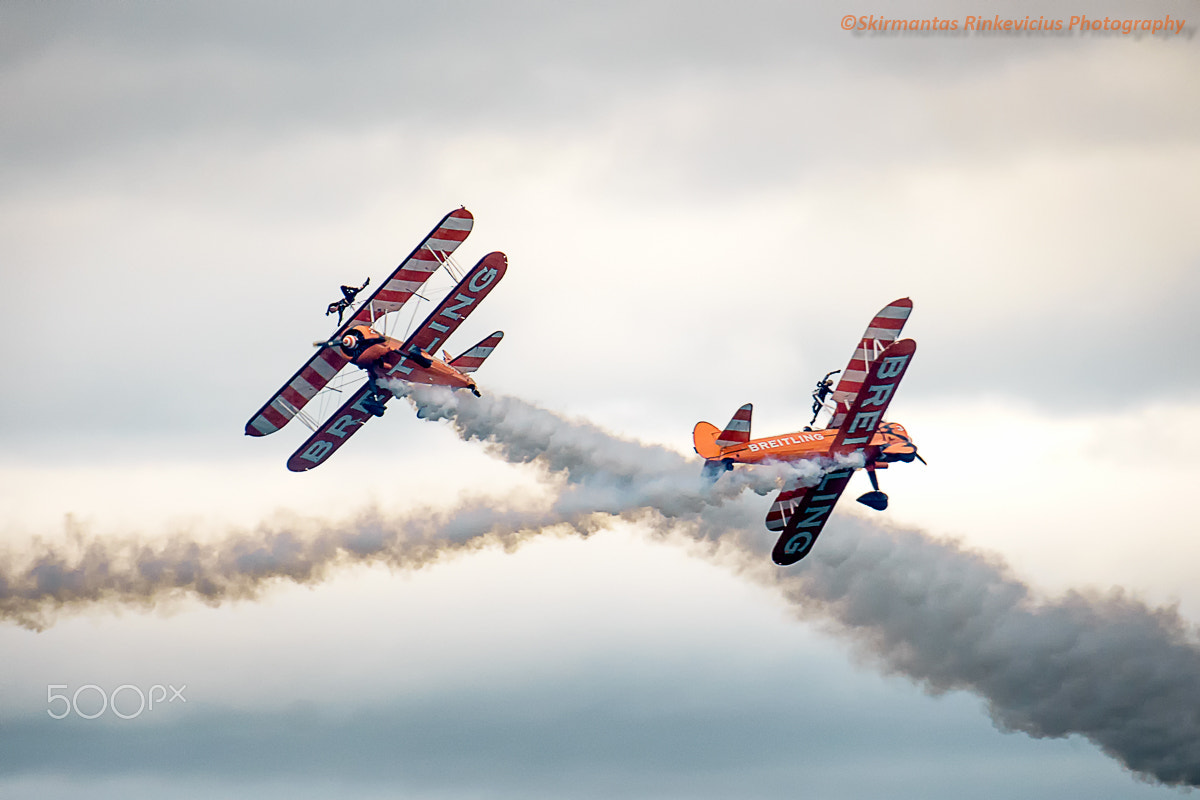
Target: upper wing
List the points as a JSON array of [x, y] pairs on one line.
[[808, 516], [884, 329], [391, 295], [302, 387], [414, 270], [876, 394], [461, 301]]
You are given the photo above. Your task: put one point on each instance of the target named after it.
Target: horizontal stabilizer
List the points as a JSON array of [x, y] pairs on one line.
[[473, 359], [714, 469], [704, 440]]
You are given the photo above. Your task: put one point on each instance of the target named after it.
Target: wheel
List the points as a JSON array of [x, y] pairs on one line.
[[875, 500]]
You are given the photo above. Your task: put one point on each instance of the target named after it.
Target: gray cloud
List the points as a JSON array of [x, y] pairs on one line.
[[596, 733], [156, 150], [776, 85]]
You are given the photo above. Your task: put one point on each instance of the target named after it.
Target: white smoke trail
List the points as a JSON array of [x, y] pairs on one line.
[[595, 476], [601, 472], [1108, 667]]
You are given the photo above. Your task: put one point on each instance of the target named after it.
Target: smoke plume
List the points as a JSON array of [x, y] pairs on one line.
[[1105, 666], [593, 475]]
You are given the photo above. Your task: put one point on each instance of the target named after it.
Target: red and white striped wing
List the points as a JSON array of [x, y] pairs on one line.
[[416, 269], [406, 279], [876, 395], [884, 329], [473, 359], [809, 517], [303, 386], [786, 502]]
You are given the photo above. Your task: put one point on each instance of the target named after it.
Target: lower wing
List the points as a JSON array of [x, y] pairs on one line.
[[334, 433], [807, 514]]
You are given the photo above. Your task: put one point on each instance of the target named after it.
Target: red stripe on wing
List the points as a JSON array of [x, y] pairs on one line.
[[785, 502], [420, 264], [884, 328], [809, 516]]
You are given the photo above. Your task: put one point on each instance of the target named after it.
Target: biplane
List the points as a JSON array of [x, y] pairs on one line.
[[853, 429], [360, 342]]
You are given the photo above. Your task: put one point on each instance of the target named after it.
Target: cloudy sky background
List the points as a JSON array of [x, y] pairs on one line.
[[702, 205]]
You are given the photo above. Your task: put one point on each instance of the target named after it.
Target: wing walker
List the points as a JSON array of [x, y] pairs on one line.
[[855, 430], [358, 342]]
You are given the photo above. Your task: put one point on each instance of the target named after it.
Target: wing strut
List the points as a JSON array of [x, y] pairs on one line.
[[393, 293]]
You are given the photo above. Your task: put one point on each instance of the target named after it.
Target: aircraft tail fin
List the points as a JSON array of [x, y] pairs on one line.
[[738, 429], [473, 359], [708, 439]]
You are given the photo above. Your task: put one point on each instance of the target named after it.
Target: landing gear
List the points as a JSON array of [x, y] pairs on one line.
[[376, 401], [874, 499], [376, 407], [475, 392]]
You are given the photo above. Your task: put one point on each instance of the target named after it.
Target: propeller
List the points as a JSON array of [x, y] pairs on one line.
[[900, 433], [332, 343]]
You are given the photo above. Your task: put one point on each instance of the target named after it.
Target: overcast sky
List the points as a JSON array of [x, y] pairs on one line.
[[702, 205]]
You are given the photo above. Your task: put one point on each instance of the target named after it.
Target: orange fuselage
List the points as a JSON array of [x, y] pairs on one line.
[[889, 443], [382, 354]]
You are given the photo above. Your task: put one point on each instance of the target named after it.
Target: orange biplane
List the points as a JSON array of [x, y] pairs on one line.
[[855, 427], [358, 342]]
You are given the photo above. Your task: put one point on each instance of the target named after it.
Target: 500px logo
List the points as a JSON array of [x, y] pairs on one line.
[[130, 696]]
